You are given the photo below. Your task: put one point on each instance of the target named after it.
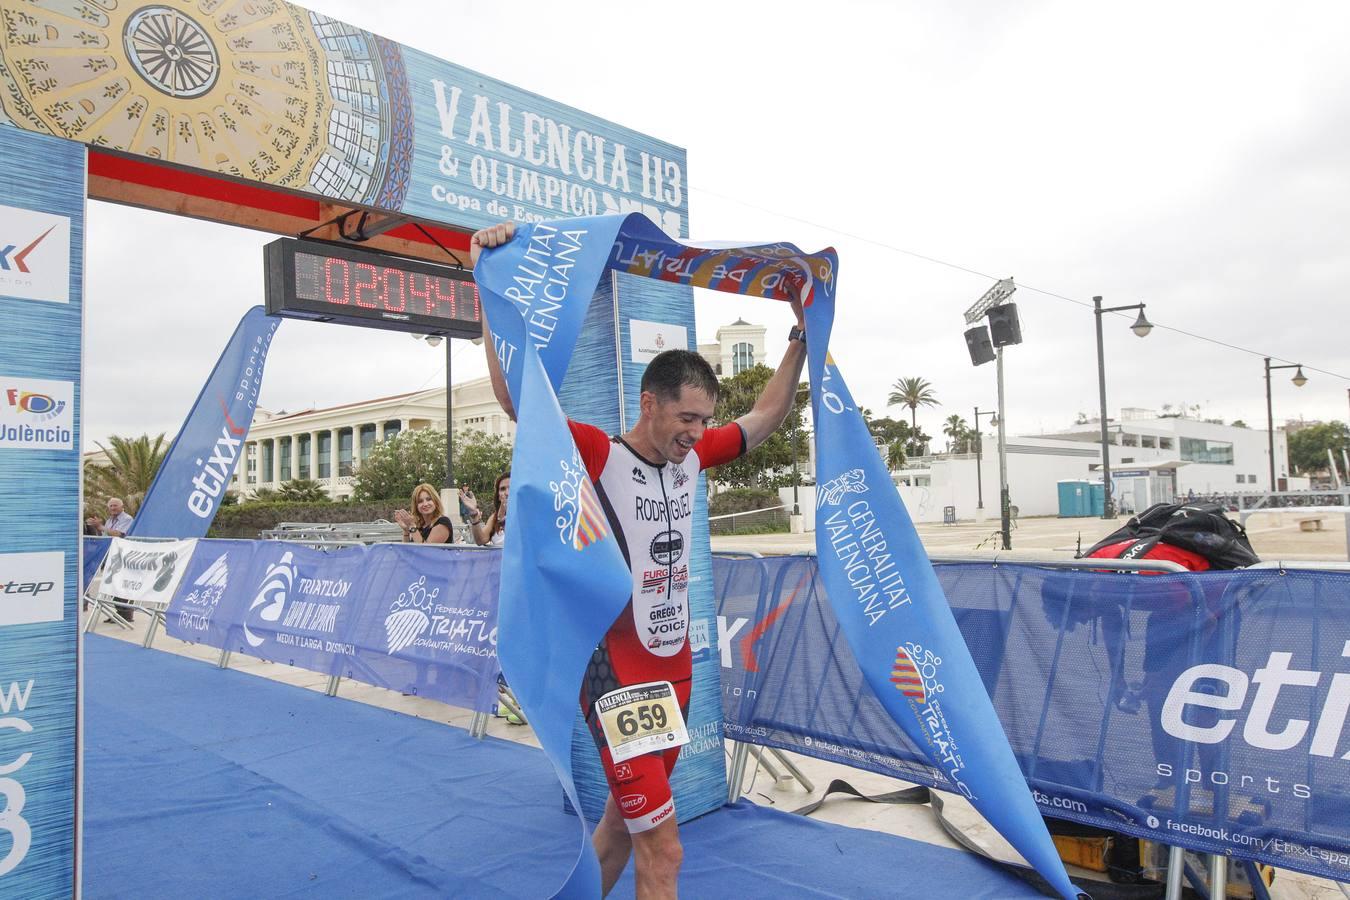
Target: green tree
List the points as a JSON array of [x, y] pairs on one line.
[[129, 472], [410, 458], [263, 495], [913, 393], [762, 466], [1309, 445], [479, 459], [304, 490], [399, 464], [887, 431]]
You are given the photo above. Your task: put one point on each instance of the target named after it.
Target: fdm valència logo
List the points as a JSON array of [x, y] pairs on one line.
[[36, 414]]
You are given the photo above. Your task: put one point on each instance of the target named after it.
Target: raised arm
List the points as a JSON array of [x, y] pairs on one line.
[[493, 236], [776, 400]]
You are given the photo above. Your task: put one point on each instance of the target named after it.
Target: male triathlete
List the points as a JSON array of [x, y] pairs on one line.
[[646, 480]]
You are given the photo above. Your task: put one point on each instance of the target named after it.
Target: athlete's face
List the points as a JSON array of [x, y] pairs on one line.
[[677, 425]]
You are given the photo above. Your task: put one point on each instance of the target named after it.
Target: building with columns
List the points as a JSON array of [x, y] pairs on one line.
[[327, 445], [738, 347]]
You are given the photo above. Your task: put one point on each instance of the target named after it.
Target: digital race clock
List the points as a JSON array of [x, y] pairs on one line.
[[336, 283]]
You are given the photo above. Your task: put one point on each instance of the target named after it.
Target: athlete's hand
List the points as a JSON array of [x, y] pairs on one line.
[[794, 290], [492, 236]]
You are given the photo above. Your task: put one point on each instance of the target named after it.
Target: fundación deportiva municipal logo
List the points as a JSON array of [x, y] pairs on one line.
[[34, 255], [37, 414]]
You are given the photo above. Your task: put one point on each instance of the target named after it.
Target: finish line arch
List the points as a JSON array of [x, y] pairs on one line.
[[267, 116]]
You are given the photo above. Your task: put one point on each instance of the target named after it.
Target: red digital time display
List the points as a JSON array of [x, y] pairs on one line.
[[333, 282]]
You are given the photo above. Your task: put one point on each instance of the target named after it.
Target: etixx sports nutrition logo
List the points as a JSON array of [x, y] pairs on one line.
[[37, 414], [34, 255]]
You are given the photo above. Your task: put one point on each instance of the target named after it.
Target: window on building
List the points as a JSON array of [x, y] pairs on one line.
[[1148, 440], [742, 357], [391, 429], [1165, 443], [345, 452], [268, 451], [1129, 440], [284, 469], [1203, 451], [325, 454], [367, 440], [1251, 479], [303, 467]]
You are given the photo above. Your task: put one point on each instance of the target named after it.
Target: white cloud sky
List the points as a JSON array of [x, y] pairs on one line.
[[1190, 156]]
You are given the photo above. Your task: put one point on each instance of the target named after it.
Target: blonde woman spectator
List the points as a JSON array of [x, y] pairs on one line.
[[426, 523]]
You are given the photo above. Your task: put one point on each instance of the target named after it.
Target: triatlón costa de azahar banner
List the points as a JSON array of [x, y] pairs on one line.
[[564, 581]]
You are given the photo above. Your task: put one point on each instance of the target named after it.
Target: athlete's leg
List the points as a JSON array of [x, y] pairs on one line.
[[658, 856], [613, 845]]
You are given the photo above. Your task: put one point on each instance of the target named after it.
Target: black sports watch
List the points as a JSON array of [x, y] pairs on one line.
[[797, 334]]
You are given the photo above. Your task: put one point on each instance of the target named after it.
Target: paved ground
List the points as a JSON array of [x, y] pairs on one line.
[[1274, 536], [1033, 538]]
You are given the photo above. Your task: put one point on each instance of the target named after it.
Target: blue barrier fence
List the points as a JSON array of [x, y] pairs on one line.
[[1205, 711], [420, 620]]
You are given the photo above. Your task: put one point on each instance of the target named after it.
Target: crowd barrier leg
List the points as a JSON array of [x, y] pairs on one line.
[[156, 617], [1218, 876], [333, 681], [768, 765], [792, 768], [1176, 871], [224, 661], [737, 775], [478, 727]]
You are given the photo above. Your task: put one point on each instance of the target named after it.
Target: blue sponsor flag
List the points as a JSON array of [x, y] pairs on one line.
[[564, 582], [196, 472], [558, 600]]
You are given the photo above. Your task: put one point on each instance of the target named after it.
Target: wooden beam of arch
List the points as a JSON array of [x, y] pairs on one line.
[[136, 181]]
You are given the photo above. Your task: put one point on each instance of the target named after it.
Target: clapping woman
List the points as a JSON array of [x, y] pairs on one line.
[[426, 523]]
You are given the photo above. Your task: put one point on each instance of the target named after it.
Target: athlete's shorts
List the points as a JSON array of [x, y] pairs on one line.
[[640, 785]]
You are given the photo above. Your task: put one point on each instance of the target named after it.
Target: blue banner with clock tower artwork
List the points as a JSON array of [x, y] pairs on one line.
[[42, 194]]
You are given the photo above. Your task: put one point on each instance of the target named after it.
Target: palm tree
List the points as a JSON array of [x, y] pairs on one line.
[[302, 490], [129, 472], [912, 392], [957, 433], [895, 455]]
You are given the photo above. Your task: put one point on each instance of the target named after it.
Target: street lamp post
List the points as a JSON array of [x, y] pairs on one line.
[[1141, 327], [979, 456], [433, 340], [1299, 380]]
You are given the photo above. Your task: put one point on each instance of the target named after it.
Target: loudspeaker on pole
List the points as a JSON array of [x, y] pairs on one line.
[[1003, 325], [979, 345]]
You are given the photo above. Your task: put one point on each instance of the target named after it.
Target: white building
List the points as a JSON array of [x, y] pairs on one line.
[[1153, 459], [739, 346], [328, 444]]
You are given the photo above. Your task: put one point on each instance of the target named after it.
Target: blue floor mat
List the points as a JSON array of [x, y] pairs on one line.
[[202, 783]]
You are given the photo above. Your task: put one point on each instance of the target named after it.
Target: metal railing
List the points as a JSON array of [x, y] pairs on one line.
[[769, 518]]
